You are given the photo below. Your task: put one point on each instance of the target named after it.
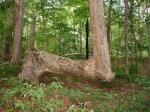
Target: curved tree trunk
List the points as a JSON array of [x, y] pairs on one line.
[[38, 63]]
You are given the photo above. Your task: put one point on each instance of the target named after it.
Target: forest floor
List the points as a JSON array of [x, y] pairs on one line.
[[124, 94]]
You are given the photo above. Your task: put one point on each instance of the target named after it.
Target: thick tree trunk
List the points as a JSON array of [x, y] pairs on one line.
[[18, 19], [101, 52], [38, 63]]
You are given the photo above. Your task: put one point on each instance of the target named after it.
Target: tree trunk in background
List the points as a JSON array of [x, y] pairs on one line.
[[87, 39], [44, 24], [6, 37], [6, 48], [126, 37], [18, 19], [38, 63], [33, 24], [101, 51], [134, 40], [80, 35], [140, 34], [109, 18], [148, 32]]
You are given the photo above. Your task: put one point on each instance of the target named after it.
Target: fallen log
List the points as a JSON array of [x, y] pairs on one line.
[[38, 63]]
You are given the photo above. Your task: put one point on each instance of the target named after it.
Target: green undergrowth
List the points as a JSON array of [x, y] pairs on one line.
[[119, 96]]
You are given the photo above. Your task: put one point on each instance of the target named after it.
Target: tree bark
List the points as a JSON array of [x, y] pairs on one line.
[[101, 52], [38, 63], [126, 37], [18, 19]]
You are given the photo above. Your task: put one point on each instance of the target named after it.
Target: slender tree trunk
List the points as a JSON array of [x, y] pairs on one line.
[[74, 28], [131, 17], [101, 52], [7, 34], [5, 52], [87, 38], [126, 37], [33, 24], [80, 35], [148, 31], [140, 56], [109, 18], [44, 24], [18, 19], [117, 53]]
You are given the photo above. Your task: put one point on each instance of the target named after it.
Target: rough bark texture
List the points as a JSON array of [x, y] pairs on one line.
[[101, 52], [38, 63], [17, 30]]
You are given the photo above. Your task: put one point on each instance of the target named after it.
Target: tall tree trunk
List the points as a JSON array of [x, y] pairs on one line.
[[18, 20], [101, 52], [80, 36], [33, 24], [109, 18], [131, 20], [148, 31], [87, 38], [38, 63], [126, 37]]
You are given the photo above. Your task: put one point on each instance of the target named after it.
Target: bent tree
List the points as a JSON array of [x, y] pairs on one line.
[[38, 63]]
